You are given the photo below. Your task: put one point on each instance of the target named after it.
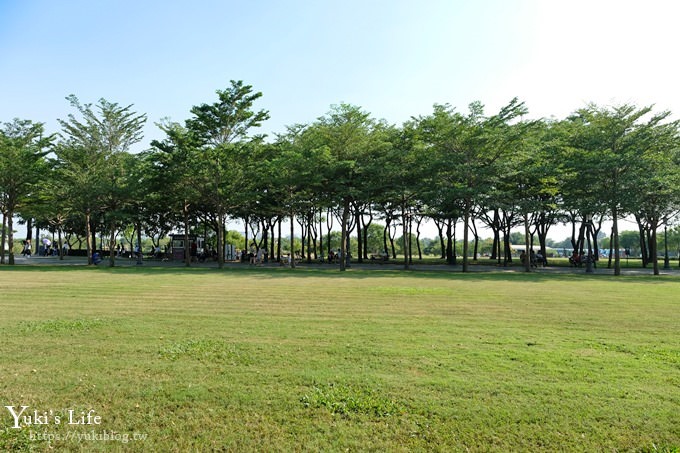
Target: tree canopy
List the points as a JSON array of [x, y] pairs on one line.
[[449, 166]]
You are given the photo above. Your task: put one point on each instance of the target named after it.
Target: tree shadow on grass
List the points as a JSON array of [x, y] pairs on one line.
[[356, 272]]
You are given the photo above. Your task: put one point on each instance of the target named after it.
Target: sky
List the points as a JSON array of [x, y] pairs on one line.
[[393, 58]]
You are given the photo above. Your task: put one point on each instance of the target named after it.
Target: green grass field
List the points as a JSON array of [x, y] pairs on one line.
[[275, 359]]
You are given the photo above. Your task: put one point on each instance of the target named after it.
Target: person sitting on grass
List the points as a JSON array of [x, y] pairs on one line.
[[575, 259]]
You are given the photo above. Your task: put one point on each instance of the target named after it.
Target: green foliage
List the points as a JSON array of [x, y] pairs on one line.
[[234, 238], [221, 132], [22, 165], [230, 118], [500, 169], [96, 172]]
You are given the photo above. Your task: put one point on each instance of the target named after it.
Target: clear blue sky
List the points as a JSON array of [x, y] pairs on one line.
[[394, 58]]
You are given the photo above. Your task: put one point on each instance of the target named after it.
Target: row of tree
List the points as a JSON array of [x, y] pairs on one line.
[[450, 167]]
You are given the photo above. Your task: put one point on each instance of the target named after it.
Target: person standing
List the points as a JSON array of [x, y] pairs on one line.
[[47, 244], [253, 253]]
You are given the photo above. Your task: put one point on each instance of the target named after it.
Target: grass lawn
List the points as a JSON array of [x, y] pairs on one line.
[[275, 359]]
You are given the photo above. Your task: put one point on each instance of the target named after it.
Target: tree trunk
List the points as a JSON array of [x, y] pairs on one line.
[[542, 229], [29, 228], [642, 241], [499, 253], [303, 235], [271, 242], [466, 221], [615, 233], [574, 243], [187, 246], [420, 252], [321, 235], [454, 242], [112, 249], [410, 238], [365, 229], [475, 235], [329, 226], [648, 234], [292, 239], [61, 246], [653, 225], [220, 240], [88, 227], [310, 233], [278, 243], [405, 237], [507, 251], [495, 248], [527, 239], [440, 229], [3, 238], [581, 241], [360, 242], [449, 246], [391, 238], [10, 238], [245, 222], [343, 234], [37, 236]]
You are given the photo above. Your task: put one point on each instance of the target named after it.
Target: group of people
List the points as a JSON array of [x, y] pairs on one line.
[[578, 259], [334, 256], [257, 255], [534, 258], [48, 249], [26, 248], [205, 254]]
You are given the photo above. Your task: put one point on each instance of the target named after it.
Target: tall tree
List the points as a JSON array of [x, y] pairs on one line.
[[22, 164], [88, 156], [616, 137], [657, 190], [346, 131], [221, 126], [175, 176], [470, 149], [394, 175], [301, 167], [528, 178]]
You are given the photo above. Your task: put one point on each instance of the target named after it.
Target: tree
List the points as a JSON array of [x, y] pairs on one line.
[[615, 140], [89, 158], [346, 131], [528, 178], [301, 166], [175, 176], [220, 127], [657, 190], [470, 149], [22, 164], [394, 178]]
